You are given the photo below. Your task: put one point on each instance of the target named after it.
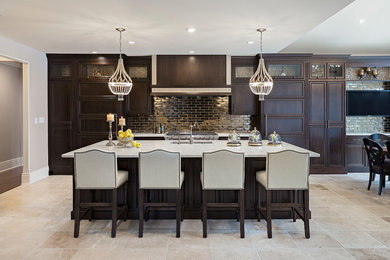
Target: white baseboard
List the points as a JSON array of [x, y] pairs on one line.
[[6, 165], [37, 175]]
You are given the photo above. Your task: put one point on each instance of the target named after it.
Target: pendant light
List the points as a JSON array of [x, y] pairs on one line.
[[261, 82], [120, 82]]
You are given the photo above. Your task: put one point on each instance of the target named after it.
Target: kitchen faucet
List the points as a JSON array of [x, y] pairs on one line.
[[191, 137]]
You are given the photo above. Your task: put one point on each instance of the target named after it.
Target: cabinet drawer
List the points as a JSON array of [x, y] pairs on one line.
[[284, 107], [288, 89], [286, 125]]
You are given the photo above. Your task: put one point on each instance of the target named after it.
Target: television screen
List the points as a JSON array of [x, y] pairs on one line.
[[368, 103]]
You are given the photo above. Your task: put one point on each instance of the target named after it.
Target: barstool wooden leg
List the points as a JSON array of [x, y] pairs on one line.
[[125, 201], [204, 215], [370, 179], [269, 217], [306, 213], [242, 214], [114, 211], [182, 203], [141, 212], [294, 198], [77, 214], [178, 212], [258, 201]]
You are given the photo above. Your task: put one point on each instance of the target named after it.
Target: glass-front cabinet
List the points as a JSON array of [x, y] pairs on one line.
[[335, 70], [326, 70], [317, 70], [61, 71], [96, 71], [285, 70]]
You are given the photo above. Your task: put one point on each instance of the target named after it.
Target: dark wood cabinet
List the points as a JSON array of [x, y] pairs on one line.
[[139, 101], [79, 99], [243, 101], [288, 69], [356, 156], [327, 126]]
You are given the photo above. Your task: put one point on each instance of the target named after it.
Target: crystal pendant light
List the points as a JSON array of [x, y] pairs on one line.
[[261, 82], [120, 82]]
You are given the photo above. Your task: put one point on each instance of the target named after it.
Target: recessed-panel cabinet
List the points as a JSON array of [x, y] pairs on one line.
[[327, 126]]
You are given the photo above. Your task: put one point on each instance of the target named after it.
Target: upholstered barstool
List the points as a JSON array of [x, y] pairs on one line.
[[223, 170], [98, 170], [285, 170], [160, 170]]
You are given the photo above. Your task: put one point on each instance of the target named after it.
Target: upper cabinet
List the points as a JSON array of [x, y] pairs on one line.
[[285, 70], [98, 71], [336, 70], [60, 70], [326, 70], [191, 70]]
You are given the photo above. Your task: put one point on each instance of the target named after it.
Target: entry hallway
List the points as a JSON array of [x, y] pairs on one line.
[[348, 222]]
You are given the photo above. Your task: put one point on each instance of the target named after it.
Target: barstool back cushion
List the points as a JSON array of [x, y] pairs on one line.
[[287, 170], [159, 169], [223, 170], [95, 169]]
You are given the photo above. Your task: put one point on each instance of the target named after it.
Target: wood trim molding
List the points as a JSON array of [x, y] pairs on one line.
[[10, 179]]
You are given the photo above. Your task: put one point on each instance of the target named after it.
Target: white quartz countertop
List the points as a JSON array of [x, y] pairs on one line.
[[190, 150], [366, 134]]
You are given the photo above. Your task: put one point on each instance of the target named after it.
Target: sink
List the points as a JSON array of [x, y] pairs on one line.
[[195, 142]]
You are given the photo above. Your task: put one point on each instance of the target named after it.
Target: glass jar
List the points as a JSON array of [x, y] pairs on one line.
[[234, 138], [255, 138], [274, 139]]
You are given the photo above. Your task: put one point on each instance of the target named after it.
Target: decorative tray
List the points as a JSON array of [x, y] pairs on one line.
[[233, 144], [274, 144], [255, 144]]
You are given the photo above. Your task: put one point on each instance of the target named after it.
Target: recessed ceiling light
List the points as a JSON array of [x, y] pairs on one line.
[[191, 30], [192, 52], [362, 21], [250, 42], [131, 42], [94, 52]]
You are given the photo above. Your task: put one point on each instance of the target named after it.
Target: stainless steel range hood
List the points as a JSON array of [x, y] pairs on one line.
[[183, 75]]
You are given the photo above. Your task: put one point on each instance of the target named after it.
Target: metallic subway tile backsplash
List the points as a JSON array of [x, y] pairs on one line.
[[178, 112]]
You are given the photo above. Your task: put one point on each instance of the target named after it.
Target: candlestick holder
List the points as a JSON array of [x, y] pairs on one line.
[[110, 142], [119, 143]]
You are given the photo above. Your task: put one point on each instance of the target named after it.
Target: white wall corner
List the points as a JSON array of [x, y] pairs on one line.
[[37, 175]]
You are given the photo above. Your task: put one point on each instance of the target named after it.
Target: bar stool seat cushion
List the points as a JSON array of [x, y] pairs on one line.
[[261, 177], [122, 177]]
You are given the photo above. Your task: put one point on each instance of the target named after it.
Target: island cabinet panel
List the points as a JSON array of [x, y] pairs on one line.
[[356, 156], [79, 99], [192, 193], [327, 126]]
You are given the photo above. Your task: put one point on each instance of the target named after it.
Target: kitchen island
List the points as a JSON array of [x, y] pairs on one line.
[[191, 154]]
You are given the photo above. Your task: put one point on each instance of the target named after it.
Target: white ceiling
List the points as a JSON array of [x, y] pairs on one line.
[[159, 27], [362, 28]]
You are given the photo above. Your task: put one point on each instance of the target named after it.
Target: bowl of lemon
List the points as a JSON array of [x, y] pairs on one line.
[[127, 137]]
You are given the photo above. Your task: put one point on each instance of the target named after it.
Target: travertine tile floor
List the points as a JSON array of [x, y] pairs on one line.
[[348, 222]]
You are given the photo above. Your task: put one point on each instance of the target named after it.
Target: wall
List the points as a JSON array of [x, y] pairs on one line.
[[35, 141], [11, 90], [178, 112]]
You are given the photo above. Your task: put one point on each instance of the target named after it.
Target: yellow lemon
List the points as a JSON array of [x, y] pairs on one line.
[[120, 132], [131, 135], [138, 145], [121, 135], [128, 131], [133, 143]]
